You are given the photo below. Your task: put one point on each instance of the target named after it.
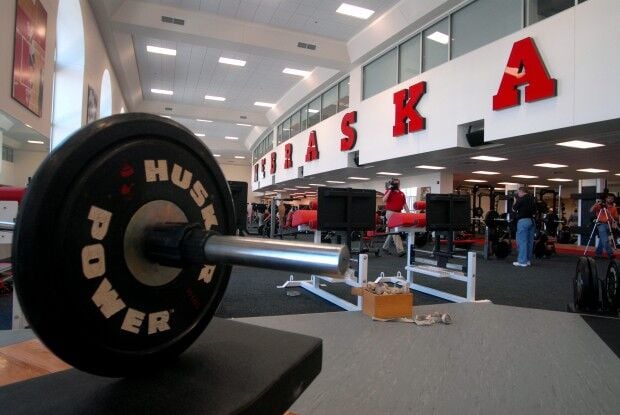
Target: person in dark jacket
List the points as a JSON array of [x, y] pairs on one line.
[[525, 208]]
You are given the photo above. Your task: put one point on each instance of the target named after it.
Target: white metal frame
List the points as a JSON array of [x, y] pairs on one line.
[[451, 271], [314, 283]]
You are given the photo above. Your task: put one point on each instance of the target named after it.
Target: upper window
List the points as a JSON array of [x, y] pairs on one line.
[[329, 103], [314, 112], [537, 10], [436, 44], [482, 22], [409, 62], [295, 124], [343, 94], [381, 73]]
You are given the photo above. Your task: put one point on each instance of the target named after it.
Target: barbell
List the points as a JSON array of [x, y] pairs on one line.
[[124, 242]]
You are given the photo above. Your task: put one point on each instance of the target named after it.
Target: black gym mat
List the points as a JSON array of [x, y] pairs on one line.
[[608, 329], [232, 367]]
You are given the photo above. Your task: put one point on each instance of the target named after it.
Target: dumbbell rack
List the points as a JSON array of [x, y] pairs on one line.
[[431, 268]]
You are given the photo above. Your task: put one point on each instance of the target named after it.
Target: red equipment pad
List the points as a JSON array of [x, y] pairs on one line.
[[304, 217], [419, 205], [14, 194], [407, 220]]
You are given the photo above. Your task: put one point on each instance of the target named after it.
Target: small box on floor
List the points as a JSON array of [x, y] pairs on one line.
[[387, 306]]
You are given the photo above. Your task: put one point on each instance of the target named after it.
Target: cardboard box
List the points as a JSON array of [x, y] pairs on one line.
[[387, 306]]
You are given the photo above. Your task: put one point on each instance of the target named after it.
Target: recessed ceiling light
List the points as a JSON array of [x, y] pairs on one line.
[[537, 185], [161, 91], [28, 125], [590, 170], [264, 104], [354, 11], [551, 165], [335, 181], [229, 61], [230, 137], [317, 184], [389, 173], [199, 134], [216, 155], [198, 119], [508, 183], [475, 180], [312, 111], [560, 180], [239, 157], [288, 188], [489, 158], [303, 187], [243, 125], [214, 98], [358, 178], [165, 116], [499, 188], [488, 173], [297, 72], [525, 176], [617, 174], [36, 142], [161, 51], [439, 37], [580, 144], [424, 166]]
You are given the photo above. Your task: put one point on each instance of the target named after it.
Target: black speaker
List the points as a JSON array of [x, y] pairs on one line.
[[475, 138]]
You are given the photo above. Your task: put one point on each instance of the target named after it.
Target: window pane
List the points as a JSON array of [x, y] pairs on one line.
[[343, 94], [436, 39], [483, 22], [286, 129], [304, 117], [270, 141], [380, 74], [538, 10], [330, 102], [409, 59], [295, 124], [314, 112], [279, 133]]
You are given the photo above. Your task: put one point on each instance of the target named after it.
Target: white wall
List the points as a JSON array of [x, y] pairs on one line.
[[578, 47], [25, 164]]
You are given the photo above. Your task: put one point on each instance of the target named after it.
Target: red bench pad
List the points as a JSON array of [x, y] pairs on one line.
[[416, 220], [303, 217]]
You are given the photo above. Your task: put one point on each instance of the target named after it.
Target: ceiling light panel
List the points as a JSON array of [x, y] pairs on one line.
[[162, 91], [439, 37], [264, 104], [475, 181], [592, 170], [424, 166], [296, 72], [334, 181], [354, 11], [524, 176], [230, 137], [200, 120], [580, 144], [214, 98], [358, 178], [161, 51], [230, 61], [560, 180], [489, 158], [488, 173], [551, 165], [388, 173]]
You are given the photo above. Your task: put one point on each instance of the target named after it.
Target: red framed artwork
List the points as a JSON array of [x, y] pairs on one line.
[[29, 54]]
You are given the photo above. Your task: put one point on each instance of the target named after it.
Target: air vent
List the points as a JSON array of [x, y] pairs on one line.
[[168, 108], [306, 45], [168, 19], [243, 117]]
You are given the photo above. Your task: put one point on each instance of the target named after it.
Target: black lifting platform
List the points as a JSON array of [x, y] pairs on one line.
[[233, 368]]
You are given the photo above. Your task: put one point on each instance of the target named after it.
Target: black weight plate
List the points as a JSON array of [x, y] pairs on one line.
[[421, 238], [502, 249], [61, 277], [583, 285], [611, 293]]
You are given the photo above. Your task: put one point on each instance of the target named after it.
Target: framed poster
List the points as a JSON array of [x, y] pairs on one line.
[[92, 105], [29, 54]]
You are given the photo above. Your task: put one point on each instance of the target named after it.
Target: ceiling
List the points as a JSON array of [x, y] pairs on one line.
[[264, 33], [17, 134]]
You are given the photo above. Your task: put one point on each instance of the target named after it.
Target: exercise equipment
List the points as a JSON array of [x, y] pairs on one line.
[[123, 245], [593, 293]]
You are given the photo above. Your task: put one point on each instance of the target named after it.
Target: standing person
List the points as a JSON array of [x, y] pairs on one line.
[[606, 215], [395, 201], [525, 208]]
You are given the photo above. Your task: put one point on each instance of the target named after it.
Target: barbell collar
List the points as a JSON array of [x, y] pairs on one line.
[[179, 245]]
